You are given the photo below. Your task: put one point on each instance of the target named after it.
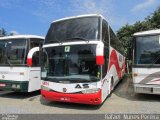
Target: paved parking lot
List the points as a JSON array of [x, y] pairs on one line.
[[123, 100]]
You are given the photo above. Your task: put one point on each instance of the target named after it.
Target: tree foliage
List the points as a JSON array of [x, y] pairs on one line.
[[125, 33], [2, 32]]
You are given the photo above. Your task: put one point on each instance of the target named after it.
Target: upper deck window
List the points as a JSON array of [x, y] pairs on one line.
[[76, 29]]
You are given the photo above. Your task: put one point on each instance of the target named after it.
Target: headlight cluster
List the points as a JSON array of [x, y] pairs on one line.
[[16, 86], [95, 90]]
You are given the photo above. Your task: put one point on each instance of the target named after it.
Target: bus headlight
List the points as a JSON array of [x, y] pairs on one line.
[[13, 85], [45, 88], [16, 86], [89, 91]]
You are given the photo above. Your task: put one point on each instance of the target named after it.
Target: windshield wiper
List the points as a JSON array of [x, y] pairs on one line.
[[155, 60], [49, 41], [78, 38]]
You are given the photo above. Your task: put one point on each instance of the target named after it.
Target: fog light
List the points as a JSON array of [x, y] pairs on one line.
[[18, 86], [96, 99], [90, 91], [13, 85]]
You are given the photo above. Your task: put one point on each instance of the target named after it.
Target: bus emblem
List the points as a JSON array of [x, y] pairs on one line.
[[64, 90]]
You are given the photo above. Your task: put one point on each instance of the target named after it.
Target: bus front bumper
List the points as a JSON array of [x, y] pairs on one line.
[[147, 89], [10, 85], [93, 99]]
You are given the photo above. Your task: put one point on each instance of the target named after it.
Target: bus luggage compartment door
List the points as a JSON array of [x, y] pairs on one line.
[[34, 80]]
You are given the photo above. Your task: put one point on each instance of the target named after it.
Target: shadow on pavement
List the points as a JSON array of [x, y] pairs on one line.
[[68, 105], [19, 95], [125, 90]]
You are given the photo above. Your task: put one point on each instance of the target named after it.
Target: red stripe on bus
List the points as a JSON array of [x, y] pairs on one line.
[[93, 99], [29, 61], [114, 61], [99, 60]]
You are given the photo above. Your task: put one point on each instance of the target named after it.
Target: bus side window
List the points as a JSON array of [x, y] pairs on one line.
[[34, 43], [105, 36], [35, 59], [105, 39], [106, 58]]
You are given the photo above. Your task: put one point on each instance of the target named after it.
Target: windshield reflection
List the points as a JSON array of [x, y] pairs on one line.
[[12, 52], [76, 62], [147, 50], [85, 28]]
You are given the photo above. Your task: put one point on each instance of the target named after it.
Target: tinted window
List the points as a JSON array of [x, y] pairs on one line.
[[85, 28], [35, 43], [115, 42], [73, 63], [105, 36], [106, 59], [35, 59], [147, 50], [13, 51]]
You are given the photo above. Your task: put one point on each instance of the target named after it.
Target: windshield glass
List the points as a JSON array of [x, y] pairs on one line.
[[12, 52], [147, 50], [75, 63], [85, 28]]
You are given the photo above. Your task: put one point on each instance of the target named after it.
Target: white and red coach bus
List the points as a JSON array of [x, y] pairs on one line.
[[146, 62], [82, 60]]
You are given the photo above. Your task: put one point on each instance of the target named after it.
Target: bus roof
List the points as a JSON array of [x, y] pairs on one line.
[[79, 16], [149, 32], [21, 36]]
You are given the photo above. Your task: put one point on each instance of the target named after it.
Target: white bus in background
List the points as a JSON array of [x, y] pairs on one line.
[[82, 60], [19, 63], [146, 62]]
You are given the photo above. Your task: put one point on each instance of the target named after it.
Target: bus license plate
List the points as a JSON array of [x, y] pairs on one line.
[[2, 85], [65, 99]]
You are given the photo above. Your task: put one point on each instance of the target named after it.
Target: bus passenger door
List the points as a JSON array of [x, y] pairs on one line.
[[34, 69], [105, 79], [34, 79]]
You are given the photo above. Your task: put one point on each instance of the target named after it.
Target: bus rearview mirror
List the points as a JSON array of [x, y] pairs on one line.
[[30, 55]]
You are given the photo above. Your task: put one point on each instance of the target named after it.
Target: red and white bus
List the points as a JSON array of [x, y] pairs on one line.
[[82, 60]]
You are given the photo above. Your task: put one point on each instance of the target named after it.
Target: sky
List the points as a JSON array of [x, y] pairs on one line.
[[35, 16]]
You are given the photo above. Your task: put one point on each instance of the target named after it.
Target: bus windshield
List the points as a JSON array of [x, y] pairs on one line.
[[84, 28], [12, 51], [147, 50], [72, 63]]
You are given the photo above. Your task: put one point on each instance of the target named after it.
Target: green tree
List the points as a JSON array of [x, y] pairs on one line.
[[2, 32], [125, 32], [155, 19], [124, 35]]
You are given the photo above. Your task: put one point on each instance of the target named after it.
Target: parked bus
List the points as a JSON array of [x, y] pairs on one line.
[[19, 63], [146, 62], [82, 60]]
